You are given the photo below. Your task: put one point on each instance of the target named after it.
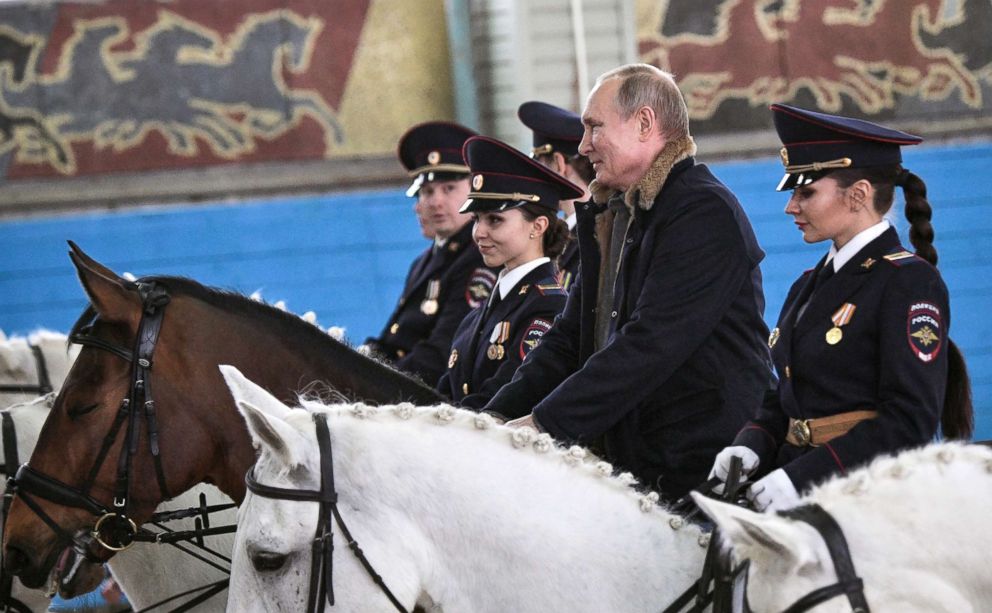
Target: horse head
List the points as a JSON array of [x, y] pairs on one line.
[[290, 34], [160, 339]]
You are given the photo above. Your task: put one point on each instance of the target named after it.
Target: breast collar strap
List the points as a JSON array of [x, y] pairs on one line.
[[321, 566], [848, 582]]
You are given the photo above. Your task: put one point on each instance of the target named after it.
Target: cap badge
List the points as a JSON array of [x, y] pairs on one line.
[[784, 154], [477, 181], [433, 157]]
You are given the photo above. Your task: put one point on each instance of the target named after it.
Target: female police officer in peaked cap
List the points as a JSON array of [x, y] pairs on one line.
[[862, 351], [448, 279], [514, 205]]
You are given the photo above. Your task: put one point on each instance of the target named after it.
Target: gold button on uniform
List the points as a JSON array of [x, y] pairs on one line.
[[400, 353], [465, 388], [788, 373], [393, 329]]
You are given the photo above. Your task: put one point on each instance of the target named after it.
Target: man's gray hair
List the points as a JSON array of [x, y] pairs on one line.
[[646, 85]]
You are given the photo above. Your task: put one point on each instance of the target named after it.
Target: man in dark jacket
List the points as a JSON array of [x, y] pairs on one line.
[[449, 278], [661, 352]]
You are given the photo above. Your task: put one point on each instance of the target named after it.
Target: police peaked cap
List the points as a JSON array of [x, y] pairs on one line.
[[503, 178], [816, 143], [554, 129], [432, 151]]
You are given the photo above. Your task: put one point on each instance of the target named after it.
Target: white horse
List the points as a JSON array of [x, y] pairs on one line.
[[917, 526], [28, 417], [20, 366], [454, 512], [147, 573]]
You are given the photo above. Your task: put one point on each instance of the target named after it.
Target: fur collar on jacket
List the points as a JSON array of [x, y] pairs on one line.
[[646, 190]]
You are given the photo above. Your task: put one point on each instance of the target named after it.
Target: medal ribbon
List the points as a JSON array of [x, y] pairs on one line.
[[843, 315]]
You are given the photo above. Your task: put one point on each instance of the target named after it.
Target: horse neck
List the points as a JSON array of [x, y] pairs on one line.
[[285, 365], [460, 495]]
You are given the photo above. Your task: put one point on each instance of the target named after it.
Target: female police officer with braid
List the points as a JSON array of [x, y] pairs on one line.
[[514, 205], [862, 351]]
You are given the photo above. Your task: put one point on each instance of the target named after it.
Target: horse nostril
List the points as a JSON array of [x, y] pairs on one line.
[[267, 560], [14, 560]]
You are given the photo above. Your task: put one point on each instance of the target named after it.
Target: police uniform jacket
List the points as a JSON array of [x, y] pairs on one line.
[[418, 335], [476, 370], [687, 361], [568, 261], [891, 358]]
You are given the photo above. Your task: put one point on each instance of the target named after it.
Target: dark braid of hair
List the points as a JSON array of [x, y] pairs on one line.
[[957, 421], [556, 236], [918, 213]]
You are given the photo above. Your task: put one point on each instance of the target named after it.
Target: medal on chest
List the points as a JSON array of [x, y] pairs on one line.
[[429, 304], [841, 317], [499, 336]]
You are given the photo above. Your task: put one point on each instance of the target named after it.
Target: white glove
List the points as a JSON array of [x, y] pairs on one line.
[[749, 463], [773, 492]]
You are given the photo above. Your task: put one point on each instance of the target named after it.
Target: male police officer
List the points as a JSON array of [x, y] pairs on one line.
[[448, 279], [557, 134], [660, 351]]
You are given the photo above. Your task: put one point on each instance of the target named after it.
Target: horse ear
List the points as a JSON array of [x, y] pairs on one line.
[[756, 535], [245, 390], [109, 294]]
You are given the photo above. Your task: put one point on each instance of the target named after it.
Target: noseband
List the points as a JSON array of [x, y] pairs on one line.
[[322, 563], [114, 530]]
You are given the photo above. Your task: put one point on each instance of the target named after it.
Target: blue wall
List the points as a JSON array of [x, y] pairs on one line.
[[345, 255]]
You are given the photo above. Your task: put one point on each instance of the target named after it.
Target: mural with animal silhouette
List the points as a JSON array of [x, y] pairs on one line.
[[135, 86], [927, 61]]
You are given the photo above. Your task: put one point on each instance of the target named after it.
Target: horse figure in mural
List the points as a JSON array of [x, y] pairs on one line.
[[454, 512], [916, 525], [33, 366], [190, 433], [147, 573]]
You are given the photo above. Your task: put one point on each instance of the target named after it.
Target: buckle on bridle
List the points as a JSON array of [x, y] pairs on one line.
[[115, 525]]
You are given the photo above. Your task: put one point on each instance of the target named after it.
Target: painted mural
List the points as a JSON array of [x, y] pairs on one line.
[[125, 85], [912, 59]]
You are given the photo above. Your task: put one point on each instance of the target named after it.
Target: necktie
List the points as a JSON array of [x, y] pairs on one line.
[[822, 276]]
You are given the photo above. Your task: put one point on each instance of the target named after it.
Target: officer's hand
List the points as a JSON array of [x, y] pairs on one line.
[[520, 422], [773, 492], [749, 463]]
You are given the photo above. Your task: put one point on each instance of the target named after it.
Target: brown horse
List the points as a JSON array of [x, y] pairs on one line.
[[191, 432]]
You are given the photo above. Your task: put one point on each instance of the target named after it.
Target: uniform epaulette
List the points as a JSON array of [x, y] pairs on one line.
[[551, 288], [903, 257]]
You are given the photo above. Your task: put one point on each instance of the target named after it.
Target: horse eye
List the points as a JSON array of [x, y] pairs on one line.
[[80, 411]]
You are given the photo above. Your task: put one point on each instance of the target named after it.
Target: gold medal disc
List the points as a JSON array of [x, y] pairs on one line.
[[428, 307], [834, 335]]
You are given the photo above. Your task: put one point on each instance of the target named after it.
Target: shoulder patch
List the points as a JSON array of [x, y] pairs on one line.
[[923, 330], [901, 258], [551, 288], [480, 285], [533, 335]]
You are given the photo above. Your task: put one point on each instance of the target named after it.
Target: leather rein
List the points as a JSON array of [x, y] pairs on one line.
[[114, 530], [322, 563], [729, 591]]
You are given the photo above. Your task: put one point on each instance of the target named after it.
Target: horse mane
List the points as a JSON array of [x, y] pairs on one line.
[[890, 470], [540, 445], [289, 325]]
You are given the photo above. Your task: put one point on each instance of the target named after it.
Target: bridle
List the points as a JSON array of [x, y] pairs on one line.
[[729, 591], [322, 564], [44, 384], [114, 529]]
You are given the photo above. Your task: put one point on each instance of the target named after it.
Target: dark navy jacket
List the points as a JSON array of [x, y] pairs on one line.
[[417, 338], [474, 372], [891, 358], [687, 363]]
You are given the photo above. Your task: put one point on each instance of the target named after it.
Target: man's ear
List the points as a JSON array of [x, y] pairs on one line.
[[647, 123]]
